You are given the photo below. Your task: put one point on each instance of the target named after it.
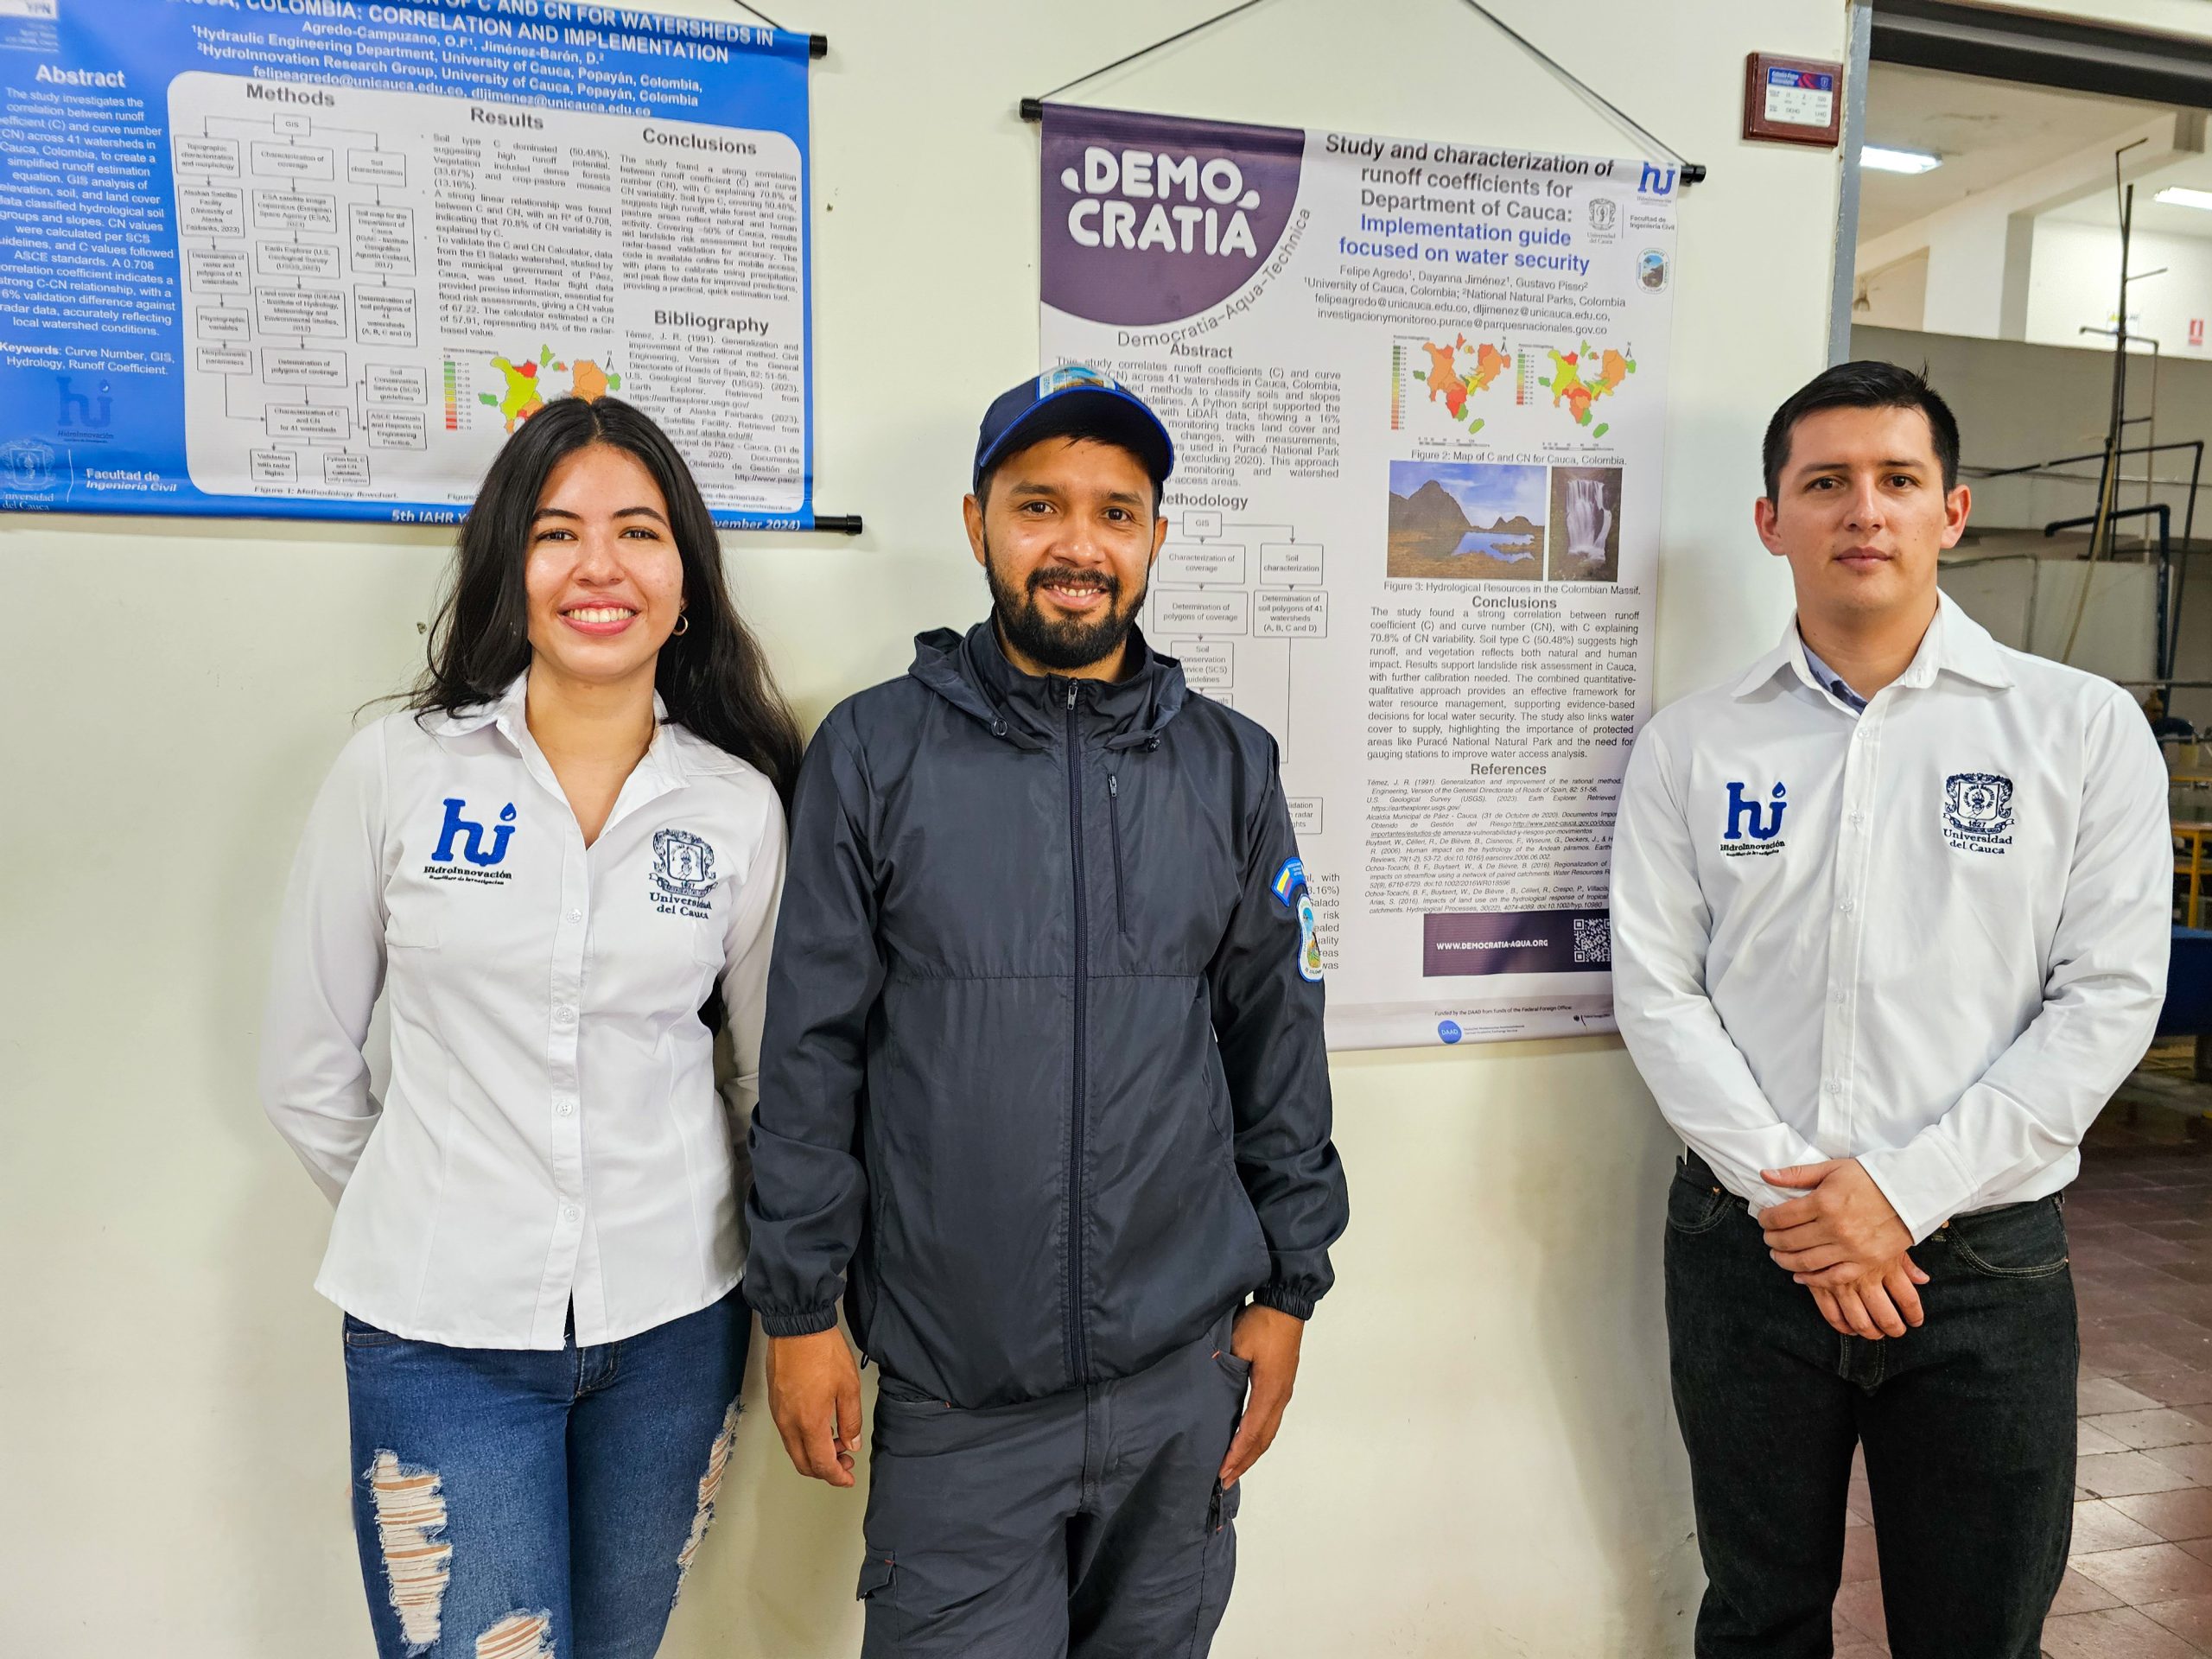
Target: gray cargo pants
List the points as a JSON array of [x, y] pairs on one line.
[[1088, 1524]]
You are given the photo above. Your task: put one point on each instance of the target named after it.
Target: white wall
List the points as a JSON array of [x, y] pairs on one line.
[[1895, 297], [1480, 1460], [2074, 282]]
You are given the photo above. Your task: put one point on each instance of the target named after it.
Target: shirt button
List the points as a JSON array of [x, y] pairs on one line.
[[1848, 905], [565, 1015], [1842, 997], [568, 1106], [577, 915], [1857, 818], [567, 1212], [1832, 1086]]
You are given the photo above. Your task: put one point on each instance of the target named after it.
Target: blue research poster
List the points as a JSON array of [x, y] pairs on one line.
[[317, 258]]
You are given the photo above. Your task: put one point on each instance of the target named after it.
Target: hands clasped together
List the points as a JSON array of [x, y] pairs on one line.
[[1844, 1242]]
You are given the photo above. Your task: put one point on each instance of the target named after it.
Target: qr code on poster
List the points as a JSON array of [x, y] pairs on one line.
[[1594, 938]]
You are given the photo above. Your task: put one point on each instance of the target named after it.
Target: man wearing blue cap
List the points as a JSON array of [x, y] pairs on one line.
[[1043, 1096]]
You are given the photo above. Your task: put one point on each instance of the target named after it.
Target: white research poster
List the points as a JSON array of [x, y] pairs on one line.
[[1418, 395]]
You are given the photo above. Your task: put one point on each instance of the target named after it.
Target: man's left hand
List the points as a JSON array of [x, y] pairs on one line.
[[1268, 1340], [1838, 1232]]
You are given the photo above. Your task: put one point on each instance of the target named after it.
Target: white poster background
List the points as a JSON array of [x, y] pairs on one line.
[[1414, 523]]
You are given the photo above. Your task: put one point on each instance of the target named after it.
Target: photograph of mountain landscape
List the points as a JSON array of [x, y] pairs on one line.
[[1466, 521]]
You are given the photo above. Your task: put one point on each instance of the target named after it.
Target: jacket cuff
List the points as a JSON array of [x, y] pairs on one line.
[[1284, 1300], [805, 1323]]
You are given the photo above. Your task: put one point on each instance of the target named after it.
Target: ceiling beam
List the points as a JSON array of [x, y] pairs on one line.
[[2000, 45]]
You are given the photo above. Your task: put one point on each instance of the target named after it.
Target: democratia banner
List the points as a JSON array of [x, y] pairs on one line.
[[1418, 395], [318, 259]]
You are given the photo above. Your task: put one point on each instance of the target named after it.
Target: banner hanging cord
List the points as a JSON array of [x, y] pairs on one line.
[[1033, 109], [1691, 171], [1141, 52]]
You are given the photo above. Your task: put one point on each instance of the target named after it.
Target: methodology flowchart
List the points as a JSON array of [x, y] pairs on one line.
[[1231, 602], [303, 297]]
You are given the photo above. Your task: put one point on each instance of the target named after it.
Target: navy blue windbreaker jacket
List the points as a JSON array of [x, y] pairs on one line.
[[1043, 1091]]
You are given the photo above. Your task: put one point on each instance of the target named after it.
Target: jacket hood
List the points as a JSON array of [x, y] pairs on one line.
[[971, 672]]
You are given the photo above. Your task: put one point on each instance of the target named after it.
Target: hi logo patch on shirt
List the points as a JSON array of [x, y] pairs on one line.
[[682, 880], [1754, 827], [480, 854], [1978, 811]]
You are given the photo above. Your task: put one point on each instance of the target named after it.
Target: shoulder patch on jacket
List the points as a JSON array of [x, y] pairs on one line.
[[1309, 942], [1288, 880]]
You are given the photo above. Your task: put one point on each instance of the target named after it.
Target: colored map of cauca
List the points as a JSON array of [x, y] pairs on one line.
[[1447, 380], [1610, 368], [527, 388]]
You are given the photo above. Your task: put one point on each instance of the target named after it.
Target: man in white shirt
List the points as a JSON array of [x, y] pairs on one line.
[[1890, 915]]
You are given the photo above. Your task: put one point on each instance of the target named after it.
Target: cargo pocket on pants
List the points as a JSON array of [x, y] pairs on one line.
[[886, 1626], [878, 1572], [1217, 1566]]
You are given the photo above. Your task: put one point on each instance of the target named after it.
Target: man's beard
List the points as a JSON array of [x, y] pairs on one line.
[[1071, 642]]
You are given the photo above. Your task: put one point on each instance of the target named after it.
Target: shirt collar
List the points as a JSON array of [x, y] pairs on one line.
[[1955, 643], [1829, 681], [509, 712]]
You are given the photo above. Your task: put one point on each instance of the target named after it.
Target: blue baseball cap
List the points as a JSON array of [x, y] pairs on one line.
[[1031, 408]]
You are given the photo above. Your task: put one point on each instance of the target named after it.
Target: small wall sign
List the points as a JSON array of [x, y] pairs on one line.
[[1793, 100]]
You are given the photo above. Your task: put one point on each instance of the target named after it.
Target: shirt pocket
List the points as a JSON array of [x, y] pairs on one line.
[[410, 930]]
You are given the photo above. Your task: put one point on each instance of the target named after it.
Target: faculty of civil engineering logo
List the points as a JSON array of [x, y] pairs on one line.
[[1148, 219]]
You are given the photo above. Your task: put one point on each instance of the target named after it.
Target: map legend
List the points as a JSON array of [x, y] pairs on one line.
[[453, 396], [1397, 388]]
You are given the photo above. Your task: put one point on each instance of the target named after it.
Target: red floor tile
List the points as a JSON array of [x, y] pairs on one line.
[[2175, 1517], [2144, 1431], [2148, 1572], [2189, 1618], [2122, 1474], [2102, 1524], [2079, 1595], [2116, 1633]]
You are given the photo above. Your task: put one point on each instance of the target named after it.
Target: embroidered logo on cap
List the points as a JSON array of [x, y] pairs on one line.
[[1073, 374]]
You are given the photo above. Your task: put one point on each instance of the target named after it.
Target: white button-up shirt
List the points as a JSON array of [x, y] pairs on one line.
[[1932, 935], [552, 1130]]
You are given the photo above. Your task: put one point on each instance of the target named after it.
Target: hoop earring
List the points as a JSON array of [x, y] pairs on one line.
[[682, 624]]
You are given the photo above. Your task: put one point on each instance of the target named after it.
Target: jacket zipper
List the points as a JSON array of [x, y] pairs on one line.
[[1078, 1361], [1114, 820]]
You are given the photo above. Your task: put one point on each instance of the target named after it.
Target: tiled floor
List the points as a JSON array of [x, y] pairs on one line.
[[2139, 1586]]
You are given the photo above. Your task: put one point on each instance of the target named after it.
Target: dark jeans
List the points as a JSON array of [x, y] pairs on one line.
[[519, 1503], [1968, 1424]]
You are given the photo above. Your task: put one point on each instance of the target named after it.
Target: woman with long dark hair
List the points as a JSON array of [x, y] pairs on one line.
[[559, 866]]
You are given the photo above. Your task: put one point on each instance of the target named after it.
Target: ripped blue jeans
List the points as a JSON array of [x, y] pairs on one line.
[[538, 1504]]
